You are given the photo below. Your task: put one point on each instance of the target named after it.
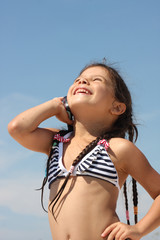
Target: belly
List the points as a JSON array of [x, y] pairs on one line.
[[85, 209]]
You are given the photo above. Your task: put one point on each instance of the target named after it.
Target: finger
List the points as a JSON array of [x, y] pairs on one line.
[[61, 98], [108, 230], [124, 237], [113, 234], [120, 235]]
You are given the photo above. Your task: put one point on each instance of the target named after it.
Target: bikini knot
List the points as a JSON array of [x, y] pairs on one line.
[[61, 139], [71, 169], [104, 143]]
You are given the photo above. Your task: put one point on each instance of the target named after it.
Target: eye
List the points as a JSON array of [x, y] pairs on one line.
[[97, 79]]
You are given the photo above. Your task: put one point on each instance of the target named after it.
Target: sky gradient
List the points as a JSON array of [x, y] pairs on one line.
[[43, 47]]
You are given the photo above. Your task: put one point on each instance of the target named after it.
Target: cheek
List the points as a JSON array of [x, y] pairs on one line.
[[102, 93], [69, 94], [70, 91]]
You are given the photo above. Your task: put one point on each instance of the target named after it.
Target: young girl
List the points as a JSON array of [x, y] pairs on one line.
[[89, 163]]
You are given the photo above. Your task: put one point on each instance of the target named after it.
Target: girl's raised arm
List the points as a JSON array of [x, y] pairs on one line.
[[25, 129]]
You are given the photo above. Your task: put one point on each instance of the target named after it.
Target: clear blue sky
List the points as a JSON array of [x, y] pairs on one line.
[[43, 46]]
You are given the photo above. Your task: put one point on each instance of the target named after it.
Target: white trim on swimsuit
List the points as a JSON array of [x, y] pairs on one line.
[[96, 163]]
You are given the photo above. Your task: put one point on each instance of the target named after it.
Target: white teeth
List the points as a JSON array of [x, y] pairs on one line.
[[82, 91]]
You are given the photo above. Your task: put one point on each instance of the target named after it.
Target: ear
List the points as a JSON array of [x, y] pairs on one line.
[[118, 108]]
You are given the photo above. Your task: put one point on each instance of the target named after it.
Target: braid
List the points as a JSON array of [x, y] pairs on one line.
[[87, 149], [131, 129], [135, 199], [126, 202], [125, 127]]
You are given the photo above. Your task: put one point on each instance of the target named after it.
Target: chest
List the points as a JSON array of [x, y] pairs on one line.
[[94, 163], [71, 152]]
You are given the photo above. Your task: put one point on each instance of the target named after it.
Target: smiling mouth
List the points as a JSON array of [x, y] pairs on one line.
[[82, 90]]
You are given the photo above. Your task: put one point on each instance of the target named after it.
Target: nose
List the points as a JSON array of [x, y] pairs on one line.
[[83, 81]]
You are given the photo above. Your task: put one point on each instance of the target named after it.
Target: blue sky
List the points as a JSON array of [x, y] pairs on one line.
[[43, 46]]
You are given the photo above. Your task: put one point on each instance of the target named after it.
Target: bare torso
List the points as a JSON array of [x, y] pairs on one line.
[[85, 209], [87, 205]]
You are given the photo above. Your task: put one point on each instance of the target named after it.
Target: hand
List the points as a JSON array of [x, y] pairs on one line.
[[121, 231], [62, 114]]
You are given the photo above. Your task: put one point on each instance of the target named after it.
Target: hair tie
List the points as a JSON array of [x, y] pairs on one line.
[[60, 138], [127, 214], [135, 210], [104, 143], [71, 169]]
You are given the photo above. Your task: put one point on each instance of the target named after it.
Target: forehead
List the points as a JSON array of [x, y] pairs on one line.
[[96, 70]]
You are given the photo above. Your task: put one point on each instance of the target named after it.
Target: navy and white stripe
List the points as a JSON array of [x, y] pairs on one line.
[[54, 170], [96, 163]]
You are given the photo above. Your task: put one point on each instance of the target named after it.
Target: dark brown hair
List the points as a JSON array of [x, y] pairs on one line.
[[124, 127]]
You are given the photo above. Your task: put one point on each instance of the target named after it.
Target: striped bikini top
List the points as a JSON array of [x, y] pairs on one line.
[[96, 163]]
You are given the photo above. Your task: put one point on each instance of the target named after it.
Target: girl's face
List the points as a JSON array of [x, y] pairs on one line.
[[92, 90]]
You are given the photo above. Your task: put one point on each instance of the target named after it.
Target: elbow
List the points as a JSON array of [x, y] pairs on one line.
[[13, 128]]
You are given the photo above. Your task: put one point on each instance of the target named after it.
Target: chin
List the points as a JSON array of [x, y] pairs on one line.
[[77, 100]]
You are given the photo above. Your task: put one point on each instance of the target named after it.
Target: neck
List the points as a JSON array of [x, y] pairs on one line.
[[89, 131], [91, 124]]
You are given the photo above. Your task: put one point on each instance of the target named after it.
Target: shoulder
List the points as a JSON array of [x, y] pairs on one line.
[[122, 145], [131, 161], [125, 152], [122, 153]]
